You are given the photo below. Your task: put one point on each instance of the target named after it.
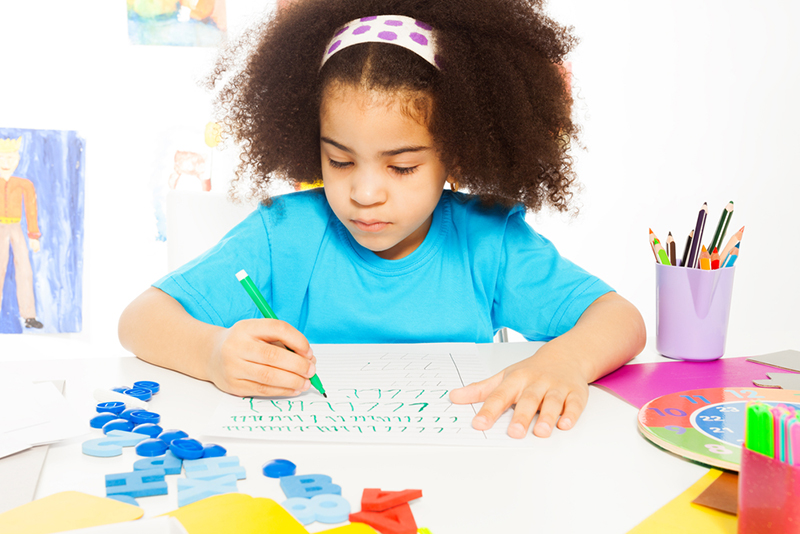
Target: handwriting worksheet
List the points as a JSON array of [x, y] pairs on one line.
[[376, 394]]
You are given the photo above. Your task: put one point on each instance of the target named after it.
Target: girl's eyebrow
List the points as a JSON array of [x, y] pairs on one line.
[[385, 153]]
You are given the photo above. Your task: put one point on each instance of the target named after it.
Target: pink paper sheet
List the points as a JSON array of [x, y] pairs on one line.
[[639, 383]]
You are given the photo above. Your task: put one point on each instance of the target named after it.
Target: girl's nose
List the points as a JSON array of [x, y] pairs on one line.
[[367, 188]]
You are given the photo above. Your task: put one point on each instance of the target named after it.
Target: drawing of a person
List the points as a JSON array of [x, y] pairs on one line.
[[17, 193]]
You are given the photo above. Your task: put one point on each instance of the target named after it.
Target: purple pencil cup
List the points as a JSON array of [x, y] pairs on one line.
[[692, 311]]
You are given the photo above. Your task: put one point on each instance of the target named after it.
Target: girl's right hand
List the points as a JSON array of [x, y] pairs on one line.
[[251, 358]]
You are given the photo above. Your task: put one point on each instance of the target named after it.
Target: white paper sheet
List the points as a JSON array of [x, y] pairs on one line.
[[376, 394], [36, 414]]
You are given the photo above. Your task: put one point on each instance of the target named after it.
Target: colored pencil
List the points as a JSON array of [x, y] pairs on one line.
[[705, 259], [735, 238], [265, 309], [661, 254], [652, 237], [722, 226], [686, 249], [673, 258], [694, 252], [715, 259], [732, 257]]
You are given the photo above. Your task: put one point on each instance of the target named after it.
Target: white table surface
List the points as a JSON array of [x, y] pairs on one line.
[[601, 477]]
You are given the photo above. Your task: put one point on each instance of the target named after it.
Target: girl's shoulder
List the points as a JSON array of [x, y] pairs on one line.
[[475, 213], [297, 208]]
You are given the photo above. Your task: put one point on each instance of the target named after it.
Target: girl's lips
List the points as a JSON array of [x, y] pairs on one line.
[[370, 226]]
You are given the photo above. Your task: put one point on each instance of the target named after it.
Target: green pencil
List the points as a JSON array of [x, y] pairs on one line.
[[722, 227], [263, 306]]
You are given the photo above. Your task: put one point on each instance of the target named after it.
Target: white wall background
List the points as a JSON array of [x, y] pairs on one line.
[[681, 103]]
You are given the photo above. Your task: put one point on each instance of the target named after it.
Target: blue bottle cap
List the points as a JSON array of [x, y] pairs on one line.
[[126, 414], [151, 447], [278, 468], [147, 384], [117, 424], [211, 450], [168, 435], [186, 448], [139, 393], [149, 429], [139, 417], [100, 419], [114, 407]]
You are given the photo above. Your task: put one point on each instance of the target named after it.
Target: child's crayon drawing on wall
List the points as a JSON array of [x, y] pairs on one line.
[[41, 230], [183, 161], [176, 22]]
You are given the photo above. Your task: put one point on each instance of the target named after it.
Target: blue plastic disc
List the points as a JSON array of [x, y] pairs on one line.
[[114, 407], [279, 468], [117, 424], [168, 435], [126, 414], [211, 450], [151, 447], [139, 393], [120, 389], [141, 417], [102, 418], [186, 448], [147, 384], [149, 429]]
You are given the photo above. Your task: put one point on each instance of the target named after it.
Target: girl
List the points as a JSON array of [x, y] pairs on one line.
[[386, 101]]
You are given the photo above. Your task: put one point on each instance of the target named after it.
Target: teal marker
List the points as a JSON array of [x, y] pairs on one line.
[[266, 311]]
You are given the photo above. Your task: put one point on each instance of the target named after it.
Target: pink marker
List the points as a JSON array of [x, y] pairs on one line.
[[793, 431], [779, 417]]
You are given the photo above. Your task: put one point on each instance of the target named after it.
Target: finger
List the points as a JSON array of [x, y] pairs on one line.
[[496, 403], [475, 392], [269, 355], [526, 408], [573, 407], [247, 388], [551, 408], [273, 330], [273, 376]]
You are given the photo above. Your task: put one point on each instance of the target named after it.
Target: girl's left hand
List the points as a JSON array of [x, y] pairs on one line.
[[549, 382]]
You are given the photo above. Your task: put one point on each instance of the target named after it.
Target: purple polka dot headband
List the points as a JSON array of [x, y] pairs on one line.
[[393, 29]]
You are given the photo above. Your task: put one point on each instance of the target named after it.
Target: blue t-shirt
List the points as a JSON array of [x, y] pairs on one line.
[[478, 269]]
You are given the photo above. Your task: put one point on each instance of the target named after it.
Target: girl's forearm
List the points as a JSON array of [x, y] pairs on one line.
[[609, 334], [157, 329]]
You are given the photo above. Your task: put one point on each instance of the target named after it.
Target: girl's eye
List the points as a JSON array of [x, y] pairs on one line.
[[338, 164], [404, 170]]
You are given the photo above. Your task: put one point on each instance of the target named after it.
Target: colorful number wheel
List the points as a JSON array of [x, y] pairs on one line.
[[707, 425]]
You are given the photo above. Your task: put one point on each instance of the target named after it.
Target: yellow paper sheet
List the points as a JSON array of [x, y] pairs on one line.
[[681, 516], [243, 514], [67, 510]]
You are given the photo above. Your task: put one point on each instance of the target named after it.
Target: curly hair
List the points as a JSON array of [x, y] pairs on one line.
[[501, 104]]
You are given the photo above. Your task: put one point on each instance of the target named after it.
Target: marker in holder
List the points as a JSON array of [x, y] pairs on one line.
[[769, 495]]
